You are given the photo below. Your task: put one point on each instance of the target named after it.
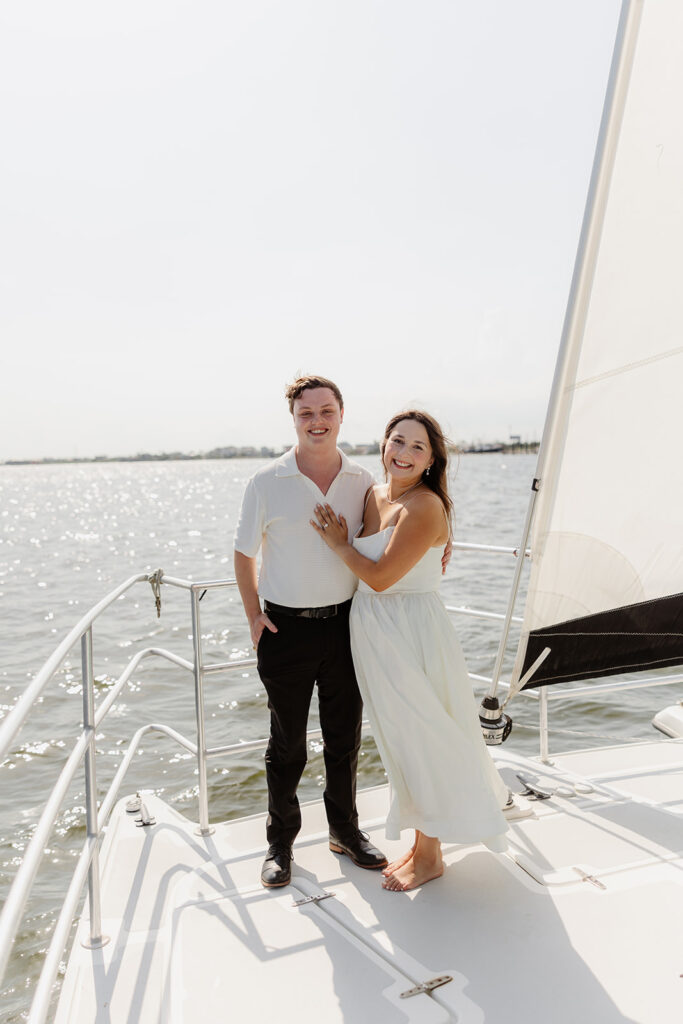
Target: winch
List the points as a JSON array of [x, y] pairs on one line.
[[495, 725]]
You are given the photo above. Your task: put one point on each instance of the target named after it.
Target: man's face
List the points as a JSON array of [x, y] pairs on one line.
[[317, 419]]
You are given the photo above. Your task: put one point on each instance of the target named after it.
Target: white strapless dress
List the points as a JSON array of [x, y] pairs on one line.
[[413, 678]]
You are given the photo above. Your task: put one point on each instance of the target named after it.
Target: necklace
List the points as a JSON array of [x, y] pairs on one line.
[[392, 501]]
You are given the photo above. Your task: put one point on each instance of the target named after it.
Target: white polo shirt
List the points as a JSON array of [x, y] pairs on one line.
[[298, 569]]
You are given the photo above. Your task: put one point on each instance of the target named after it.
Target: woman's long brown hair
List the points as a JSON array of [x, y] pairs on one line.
[[437, 479]]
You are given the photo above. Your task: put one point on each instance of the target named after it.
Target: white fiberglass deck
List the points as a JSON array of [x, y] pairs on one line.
[[525, 936]]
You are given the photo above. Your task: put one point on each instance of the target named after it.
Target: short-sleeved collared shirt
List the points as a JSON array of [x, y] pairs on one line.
[[298, 569]]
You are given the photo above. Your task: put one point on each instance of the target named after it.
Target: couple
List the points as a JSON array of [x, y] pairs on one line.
[[384, 545]]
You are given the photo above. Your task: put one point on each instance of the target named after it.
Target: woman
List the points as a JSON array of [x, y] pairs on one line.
[[409, 664]]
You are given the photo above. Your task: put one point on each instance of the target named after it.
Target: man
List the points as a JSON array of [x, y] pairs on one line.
[[301, 633]]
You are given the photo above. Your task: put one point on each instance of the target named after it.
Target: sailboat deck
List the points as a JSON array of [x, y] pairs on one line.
[[193, 933]]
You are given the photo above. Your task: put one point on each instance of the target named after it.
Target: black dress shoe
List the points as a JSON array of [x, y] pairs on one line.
[[358, 847], [277, 867]]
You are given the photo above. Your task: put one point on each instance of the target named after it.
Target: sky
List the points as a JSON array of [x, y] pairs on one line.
[[200, 201]]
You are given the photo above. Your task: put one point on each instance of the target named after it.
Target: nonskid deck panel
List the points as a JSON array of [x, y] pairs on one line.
[[191, 926]]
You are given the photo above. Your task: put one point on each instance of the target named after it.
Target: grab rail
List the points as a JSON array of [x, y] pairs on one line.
[[84, 751], [13, 723]]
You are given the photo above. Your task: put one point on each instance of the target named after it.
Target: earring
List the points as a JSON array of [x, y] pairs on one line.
[[427, 470]]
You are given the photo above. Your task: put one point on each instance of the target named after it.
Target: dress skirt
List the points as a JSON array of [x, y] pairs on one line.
[[418, 696]]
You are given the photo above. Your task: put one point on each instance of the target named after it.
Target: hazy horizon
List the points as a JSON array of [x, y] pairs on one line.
[[202, 201], [257, 451]]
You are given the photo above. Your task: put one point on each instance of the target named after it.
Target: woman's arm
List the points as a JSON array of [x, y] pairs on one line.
[[420, 527]]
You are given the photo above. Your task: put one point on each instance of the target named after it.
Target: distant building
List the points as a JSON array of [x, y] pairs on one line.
[[229, 452]]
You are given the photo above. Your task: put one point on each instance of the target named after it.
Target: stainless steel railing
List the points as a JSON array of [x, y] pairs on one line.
[[87, 866], [82, 752]]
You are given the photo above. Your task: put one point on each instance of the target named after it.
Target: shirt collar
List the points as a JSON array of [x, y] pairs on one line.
[[287, 464]]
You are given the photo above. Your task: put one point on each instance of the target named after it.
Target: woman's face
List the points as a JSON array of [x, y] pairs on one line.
[[407, 452]]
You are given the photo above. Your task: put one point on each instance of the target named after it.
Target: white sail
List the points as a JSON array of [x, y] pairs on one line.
[[607, 539]]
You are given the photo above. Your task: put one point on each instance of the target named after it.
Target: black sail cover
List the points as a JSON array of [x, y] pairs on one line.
[[640, 636], [606, 583]]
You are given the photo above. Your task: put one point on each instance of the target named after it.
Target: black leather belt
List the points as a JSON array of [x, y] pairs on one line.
[[324, 612]]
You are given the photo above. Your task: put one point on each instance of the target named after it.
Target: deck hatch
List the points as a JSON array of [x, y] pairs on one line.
[[258, 955]]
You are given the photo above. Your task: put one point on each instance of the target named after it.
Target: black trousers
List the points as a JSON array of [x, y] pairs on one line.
[[290, 662]]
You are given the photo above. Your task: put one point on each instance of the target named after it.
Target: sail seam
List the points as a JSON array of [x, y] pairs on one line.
[[627, 367]]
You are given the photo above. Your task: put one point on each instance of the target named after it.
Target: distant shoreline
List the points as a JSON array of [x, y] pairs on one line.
[[514, 448]]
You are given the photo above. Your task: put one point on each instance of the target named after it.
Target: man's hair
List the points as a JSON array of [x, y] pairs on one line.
[[295, 389]]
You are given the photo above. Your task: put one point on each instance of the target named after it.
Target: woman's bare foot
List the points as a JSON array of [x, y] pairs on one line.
[[414, 872], [422, 865], [396, 864]]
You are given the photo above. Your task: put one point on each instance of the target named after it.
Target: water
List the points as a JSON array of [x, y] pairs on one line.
[[71, 533]]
